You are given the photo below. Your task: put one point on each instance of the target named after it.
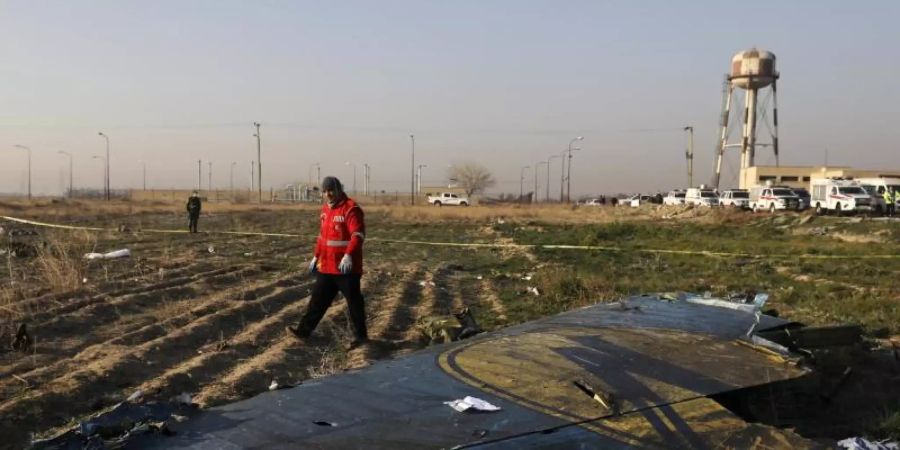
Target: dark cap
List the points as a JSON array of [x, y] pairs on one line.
[[332, 184]]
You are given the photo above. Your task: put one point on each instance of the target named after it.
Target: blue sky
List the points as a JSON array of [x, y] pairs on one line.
[[503, 83]]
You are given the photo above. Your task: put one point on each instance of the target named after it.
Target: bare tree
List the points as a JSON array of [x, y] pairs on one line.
[[473, 177]]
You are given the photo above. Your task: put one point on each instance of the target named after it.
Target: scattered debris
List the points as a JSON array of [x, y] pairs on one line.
[[448, 329], [426, 283], [123, 253], [532, 290], [22, 340], [527, 276], [325, 423], [470, 403], [183, 398], [607, 400], [135, 397], [479, 277], [858, 443], [211, 249]]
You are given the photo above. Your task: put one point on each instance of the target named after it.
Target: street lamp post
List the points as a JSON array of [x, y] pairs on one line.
[[419, 177], [522, 182], [348, 163], [536, 165], [258, 161], [106, 161], [104, 165], [199, 175], [70, 170], [412, 186], [547, 195], [252, 172], [29, 168], [569, 172]]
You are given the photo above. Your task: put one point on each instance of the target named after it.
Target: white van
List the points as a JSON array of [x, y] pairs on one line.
[[876, 186], [701, 197], [735, 198], [839, 195]]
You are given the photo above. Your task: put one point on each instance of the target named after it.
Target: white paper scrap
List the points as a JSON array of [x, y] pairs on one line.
[[472, 403]]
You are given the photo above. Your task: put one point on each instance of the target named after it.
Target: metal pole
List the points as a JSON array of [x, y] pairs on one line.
[[231, 178], [258, 160], [252, 173], [199, 175], [107, 163], [569, 171], [522, 183], [29, 168], [70, 170], [209, 174], [366, 178], [412, 186], [690, 155], [419, 178], [318, 175]]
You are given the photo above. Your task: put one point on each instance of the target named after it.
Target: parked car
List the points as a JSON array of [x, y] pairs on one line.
[[804, 196], [635, 200], [735, 198], [701, 197], [594, 202], [674, 198], [773, 198]]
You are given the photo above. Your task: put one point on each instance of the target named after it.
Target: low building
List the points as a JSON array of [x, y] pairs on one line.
[[801, 176]]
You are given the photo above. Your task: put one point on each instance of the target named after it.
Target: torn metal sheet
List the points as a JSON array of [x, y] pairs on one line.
[[652, 360]]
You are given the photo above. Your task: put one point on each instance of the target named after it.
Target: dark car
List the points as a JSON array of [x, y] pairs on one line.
[[804, 197]]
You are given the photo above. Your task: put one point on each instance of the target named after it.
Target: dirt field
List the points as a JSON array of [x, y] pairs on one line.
[[205, 314]]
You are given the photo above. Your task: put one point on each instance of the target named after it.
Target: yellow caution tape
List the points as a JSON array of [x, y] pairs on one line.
[[490, 245]]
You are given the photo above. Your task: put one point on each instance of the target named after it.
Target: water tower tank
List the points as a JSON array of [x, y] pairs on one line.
[[753, 69]]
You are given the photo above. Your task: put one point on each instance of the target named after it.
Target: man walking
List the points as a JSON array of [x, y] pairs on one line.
[[193, 209], [337, 263]]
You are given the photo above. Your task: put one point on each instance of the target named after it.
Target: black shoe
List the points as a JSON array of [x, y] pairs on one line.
[[295, 331], [358, 342]]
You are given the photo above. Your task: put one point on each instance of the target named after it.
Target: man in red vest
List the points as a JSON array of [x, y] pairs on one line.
[[336, 263]]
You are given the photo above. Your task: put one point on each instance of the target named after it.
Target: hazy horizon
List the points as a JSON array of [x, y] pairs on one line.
[[502, 83]]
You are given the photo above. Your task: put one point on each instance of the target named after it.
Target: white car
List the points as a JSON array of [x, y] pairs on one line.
[[735, 198], [448, 198], [674, 198], [593, 202], [701, 197], [635, 200]]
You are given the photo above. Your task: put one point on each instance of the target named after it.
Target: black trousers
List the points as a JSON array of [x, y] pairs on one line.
[[192, 224], [324, 290]]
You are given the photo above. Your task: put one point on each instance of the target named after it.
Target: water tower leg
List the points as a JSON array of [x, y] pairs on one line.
[[775, 119], [723, 134]]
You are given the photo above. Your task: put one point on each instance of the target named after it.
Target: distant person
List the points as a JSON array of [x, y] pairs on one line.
[[658, 198], [337, 263], [890, 199], [193, 209], [614, 201]]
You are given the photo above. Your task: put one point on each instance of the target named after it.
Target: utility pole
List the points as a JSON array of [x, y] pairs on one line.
[[70, 170], [258, 161], [366, 178], [209, 174], [29, 168], [199, 175], [231, 178], [690, 155], [252, 173], [522, 183], [419, 178], [107, 163], [535, 198], [144, 170], [412, 178]]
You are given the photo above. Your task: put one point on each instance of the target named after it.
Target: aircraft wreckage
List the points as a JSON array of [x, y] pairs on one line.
[[637, 373]]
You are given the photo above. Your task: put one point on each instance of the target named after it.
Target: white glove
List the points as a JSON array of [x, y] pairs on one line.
[[312, 265], [346, 264]]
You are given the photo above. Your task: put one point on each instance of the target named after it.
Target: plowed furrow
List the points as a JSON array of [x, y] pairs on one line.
[[77, 391]]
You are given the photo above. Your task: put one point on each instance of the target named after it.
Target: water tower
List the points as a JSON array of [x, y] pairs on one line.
[[751, 70]]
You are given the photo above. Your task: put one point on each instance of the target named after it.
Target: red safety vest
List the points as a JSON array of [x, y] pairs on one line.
[[342, 231]]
